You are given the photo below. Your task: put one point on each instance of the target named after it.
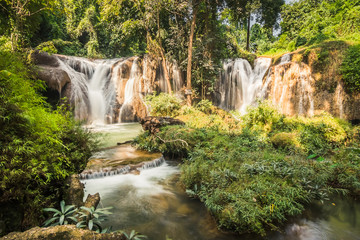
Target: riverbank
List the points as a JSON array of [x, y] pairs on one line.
[[253, 175]]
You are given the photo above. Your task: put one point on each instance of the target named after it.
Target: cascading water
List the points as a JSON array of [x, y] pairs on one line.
[[289, 85], [109, 90], [96, 94], [239, 84]]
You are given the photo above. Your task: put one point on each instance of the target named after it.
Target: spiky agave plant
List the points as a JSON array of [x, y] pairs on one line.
[[61, 217]]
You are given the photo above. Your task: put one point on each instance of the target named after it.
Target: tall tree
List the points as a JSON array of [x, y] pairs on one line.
[[190, 49], [265, 11], [19, 12]]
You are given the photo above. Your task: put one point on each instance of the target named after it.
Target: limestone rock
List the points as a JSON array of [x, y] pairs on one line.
[[92, 200], [75, 193], [61, 233], [43, 58], [153, 124]]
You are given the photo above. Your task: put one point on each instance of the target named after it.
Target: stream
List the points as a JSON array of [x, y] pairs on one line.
[[154, 204]]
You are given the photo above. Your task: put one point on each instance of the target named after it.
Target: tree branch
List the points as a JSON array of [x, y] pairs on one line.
[[175, 140]]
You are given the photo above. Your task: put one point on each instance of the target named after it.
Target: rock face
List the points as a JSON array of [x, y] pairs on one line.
[[61, 233], [300, 87], [153, 124]]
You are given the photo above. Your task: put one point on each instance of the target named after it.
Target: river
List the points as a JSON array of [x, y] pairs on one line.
[[155, 204]]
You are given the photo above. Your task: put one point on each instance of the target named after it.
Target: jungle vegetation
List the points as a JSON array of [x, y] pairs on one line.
[[41, 146]]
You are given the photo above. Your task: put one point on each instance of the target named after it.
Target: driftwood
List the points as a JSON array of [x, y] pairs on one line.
[[153, 124]]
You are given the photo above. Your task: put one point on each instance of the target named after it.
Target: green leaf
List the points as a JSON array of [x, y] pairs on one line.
[[46, 223], [61, 220], [312, 156], [90, 224]]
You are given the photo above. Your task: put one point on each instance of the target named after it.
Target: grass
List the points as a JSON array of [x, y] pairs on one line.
[[254, 174]]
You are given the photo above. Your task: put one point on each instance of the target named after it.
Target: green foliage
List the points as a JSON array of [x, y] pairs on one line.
[[205, 106], [91, 218], [311, 22], [286, 141], [65, 216], [133, 235], [350, 69], [39, 148], [163, 104], [48, 47], [256, 176]]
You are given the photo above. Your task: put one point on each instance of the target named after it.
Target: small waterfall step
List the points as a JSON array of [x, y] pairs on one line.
[[104, 172]]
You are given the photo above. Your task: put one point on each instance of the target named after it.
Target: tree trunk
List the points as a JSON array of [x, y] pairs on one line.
[[166, 73], [248, 34], [188, 71]]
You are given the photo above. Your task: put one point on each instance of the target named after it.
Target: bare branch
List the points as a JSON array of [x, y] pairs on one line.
[[175, 140]]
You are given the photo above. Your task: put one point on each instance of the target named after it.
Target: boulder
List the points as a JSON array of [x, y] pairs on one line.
[[55, 78], [60, 233], [153, 124], [74, 195], [43, 58]]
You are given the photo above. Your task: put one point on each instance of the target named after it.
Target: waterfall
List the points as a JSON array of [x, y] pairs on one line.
[[152, 164], [289, 85], [239, 84], [96, 93], [109, 90]]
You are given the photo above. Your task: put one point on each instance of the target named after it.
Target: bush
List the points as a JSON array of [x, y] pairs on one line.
[[205, 106], [350, 69], [163, 105], [39, 148], [48, 47], [287, 141]]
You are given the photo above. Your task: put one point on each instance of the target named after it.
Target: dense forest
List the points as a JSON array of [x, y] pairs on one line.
[[229, 163]]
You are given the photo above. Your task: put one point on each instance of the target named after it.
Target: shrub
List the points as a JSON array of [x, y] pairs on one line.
[[48, 47], [264, 117], [287, 141], [163, 105], [39, 147], [205, 106]]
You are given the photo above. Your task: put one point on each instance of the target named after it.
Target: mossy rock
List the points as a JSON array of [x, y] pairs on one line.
[[60, 233]]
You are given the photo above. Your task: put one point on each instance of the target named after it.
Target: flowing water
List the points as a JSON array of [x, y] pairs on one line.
[[107, 90], [240, 84], [154, 203]]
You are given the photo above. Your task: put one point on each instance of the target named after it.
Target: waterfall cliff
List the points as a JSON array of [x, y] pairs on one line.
[[113, 90], [107, 90]]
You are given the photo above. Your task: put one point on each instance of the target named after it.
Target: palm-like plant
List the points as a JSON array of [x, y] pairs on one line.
[[92, 218], [134, 235], [62, 216]]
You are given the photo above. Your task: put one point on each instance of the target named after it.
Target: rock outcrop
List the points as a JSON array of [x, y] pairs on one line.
[[303, 85], [61, 233], [74, 194], [153, 124]]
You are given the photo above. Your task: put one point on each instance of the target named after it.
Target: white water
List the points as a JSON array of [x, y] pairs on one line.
[[103, 91], [240, 85]]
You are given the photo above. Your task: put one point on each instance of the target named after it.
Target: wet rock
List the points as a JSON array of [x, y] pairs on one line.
[[55, 78], [75, 193], [92, 200], [43, 58], [153, 124], [60, 233]]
